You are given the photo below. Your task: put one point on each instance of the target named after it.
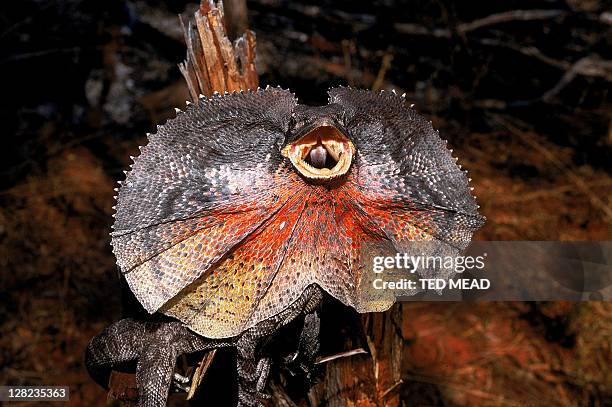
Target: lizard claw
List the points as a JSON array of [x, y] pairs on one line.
[[181, 383], [302, 360]]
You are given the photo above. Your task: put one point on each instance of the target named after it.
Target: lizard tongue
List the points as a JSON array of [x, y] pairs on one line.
[[318, 156]]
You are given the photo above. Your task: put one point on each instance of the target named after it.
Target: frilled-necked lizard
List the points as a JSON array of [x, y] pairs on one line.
[[245, 209]]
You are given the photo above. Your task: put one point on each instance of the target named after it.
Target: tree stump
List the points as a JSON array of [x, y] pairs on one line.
[[213, 63], [367, 380]]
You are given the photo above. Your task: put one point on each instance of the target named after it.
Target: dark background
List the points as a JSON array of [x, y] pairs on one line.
[[525, 103]]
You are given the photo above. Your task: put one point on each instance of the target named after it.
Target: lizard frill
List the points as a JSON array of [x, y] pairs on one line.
[[214, 225]]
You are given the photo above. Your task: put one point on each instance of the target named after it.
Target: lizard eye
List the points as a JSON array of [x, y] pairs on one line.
[[323, 153]]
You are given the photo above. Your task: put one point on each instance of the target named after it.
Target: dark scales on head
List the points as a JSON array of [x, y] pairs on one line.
[[226, 228]]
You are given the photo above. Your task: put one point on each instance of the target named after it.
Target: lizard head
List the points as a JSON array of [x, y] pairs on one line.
[[318, 146]]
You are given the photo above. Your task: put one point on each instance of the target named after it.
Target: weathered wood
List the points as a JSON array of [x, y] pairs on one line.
[[213, 63], [366, 380], [200, 372]]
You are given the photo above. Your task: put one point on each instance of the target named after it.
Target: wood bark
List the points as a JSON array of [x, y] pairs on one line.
[[213, 63], [368, 380]]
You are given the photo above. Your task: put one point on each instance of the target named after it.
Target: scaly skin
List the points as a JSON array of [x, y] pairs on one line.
[[155, 345], [222, 226]]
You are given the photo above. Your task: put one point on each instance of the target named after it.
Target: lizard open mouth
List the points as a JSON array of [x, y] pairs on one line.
[[323, 153]]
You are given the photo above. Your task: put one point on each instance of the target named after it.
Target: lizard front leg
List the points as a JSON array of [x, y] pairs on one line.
[[303, 359], [119, 343], [154, 375], [154, 345], [253, 368]]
